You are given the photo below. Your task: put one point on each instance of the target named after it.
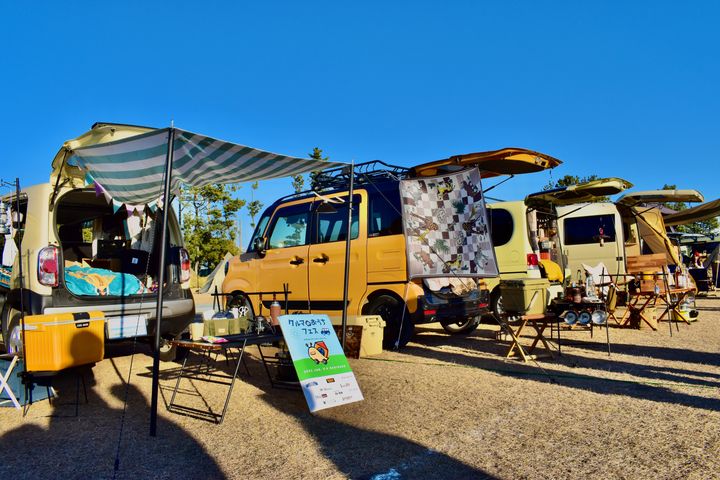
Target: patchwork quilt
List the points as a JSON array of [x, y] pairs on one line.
[[446, 226]]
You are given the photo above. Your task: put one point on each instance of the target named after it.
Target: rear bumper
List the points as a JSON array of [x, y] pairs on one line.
[[431, 308]]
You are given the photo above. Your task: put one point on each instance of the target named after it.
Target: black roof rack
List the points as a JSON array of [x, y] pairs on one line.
[[367, 172]]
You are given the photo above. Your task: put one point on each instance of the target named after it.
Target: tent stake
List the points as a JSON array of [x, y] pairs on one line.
[[161, 280]]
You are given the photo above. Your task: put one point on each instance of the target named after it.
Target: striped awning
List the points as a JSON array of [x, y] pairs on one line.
[[132, 169]]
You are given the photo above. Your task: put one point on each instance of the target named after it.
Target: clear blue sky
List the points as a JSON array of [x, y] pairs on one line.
[[624, 89]]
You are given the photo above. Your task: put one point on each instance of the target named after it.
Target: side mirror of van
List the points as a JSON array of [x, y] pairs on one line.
[[259, 246]]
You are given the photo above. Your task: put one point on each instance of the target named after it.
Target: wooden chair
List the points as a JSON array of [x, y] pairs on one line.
[[653, 281]]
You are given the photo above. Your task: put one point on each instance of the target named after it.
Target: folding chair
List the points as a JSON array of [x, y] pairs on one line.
[[648, 289], [4, 386]]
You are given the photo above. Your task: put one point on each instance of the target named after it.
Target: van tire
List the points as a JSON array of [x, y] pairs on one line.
[[167, 353], [391, 311], [463, 327], [496, 305], [10, 322]]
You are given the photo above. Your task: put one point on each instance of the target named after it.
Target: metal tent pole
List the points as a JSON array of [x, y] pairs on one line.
[[347, 253], [161, 281]]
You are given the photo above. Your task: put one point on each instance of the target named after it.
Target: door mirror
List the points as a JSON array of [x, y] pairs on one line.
[[259, 246]]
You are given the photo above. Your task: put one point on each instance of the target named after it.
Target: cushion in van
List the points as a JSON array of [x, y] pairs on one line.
[[552, 270], [99, 281]]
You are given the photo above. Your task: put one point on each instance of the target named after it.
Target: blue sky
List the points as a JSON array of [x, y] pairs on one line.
[[625, 89]]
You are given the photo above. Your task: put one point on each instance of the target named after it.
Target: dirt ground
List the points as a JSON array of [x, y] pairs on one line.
[[444, 407]]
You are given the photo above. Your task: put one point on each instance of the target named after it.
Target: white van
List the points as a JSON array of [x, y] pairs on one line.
[[528, 234]]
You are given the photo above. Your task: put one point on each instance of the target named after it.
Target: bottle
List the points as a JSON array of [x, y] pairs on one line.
[[590, 287], [275, 312]]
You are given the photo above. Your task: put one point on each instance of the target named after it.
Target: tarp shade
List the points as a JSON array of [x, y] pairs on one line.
[[702, 212], [582, 192], [131, 169], [652, 230]]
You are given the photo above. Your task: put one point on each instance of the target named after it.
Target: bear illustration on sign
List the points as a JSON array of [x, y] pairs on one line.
[[318, 352]]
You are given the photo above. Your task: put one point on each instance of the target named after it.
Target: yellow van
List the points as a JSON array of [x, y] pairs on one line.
[[300, 242]]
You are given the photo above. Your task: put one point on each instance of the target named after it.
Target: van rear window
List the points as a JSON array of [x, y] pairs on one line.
[[589, 229], [501, 226]]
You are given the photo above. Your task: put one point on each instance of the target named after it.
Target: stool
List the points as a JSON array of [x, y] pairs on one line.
[[4, 387]]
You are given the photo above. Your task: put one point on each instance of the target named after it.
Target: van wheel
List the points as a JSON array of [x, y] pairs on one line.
[[12, 332], [240, 300], [167, 352], [462, 327], [496, 304], [391, 311]]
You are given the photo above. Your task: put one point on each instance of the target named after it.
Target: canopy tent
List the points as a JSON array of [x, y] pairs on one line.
[[699, 213], [137, 168], [652, 230], [132, 169]]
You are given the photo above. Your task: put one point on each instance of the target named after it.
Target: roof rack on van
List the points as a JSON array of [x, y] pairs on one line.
[[367, 172]]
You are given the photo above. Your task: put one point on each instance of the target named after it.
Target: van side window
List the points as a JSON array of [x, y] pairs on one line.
[[332, 225], [384, 217], [585, 230], [501, 226], [290, 226]]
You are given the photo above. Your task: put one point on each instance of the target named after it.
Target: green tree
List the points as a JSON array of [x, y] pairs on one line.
[[317, 154], [208, 226], [704, 227], [254, 206]]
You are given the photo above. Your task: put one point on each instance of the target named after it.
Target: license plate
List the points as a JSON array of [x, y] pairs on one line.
[[126, 326]]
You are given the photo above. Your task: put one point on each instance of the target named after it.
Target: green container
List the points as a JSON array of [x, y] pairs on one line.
[[525, 296], [219, 327]]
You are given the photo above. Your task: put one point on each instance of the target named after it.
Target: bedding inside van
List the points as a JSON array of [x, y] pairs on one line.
[[106, 251]]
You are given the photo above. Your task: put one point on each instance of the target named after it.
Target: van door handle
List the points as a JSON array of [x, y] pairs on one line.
[[297, 261], [321, 259]]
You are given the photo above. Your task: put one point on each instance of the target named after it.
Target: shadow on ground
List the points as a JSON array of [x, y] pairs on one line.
[[86, 446]]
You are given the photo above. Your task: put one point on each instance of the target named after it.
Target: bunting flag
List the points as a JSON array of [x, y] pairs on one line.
[[132, 170]]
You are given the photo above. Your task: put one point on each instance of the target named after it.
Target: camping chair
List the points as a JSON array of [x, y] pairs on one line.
[[653, 274], [4, 377]]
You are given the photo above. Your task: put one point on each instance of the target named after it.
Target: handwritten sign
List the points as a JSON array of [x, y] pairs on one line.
[[322, 368]]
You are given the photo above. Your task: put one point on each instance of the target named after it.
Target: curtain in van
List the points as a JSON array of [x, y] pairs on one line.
[[131, 170]]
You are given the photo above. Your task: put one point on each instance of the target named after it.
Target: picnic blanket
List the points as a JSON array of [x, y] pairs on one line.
[[99, 281]]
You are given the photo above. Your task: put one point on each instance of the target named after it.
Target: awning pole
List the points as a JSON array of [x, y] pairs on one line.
[[161, 280], [347, 253]]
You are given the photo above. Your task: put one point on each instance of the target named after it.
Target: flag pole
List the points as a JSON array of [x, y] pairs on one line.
[[347, 253], [161, 281]]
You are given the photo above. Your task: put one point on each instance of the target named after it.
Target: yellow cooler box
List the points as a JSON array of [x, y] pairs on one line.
[[525, 296], [57, 342], [372, 332]]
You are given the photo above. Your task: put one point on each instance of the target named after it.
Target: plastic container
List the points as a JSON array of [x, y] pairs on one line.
[[372, 332], [525, 296], [60, 341]]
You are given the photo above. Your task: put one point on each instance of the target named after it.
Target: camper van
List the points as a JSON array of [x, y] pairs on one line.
[[82, 253], [608, 233], [300, 241], [527, 235]]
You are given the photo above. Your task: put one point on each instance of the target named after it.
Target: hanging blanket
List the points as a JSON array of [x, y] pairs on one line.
[[98, 281]]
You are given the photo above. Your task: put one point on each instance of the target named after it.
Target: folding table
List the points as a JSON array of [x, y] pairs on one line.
[[675, 298], [539, 322], [236, 343]]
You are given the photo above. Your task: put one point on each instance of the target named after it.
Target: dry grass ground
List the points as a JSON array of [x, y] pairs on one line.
[[445, 407]]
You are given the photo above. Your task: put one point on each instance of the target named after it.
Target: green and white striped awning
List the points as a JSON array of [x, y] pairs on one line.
[[131, 169]]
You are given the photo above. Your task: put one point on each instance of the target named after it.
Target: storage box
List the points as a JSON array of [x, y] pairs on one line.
[[372, 332], [219, 327], [525, 296], [60, 341]]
